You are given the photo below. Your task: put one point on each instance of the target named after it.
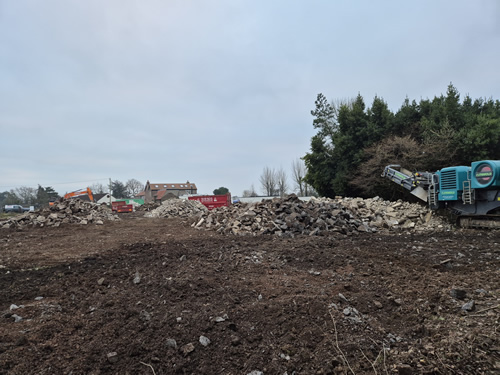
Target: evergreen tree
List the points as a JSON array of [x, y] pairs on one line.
[[41, 196], [221, 191], [429, 135], [119, 190], [320, 167]]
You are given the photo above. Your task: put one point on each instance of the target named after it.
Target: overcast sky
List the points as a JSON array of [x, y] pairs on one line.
[[213, 91]]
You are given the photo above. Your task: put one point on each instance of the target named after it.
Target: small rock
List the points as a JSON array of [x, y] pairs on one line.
[[220, 319], [342, 297], [333, 306], [188, 348], [137, 278], [405, 369], [13, 307], [458, 293], [377, 304], [112, 357], [16, 317], [171, 343], [235, 340], [100, 281], [38, 298], [182, 258], [285, 356], [256, 372], [469, 306], [205, 341], [448, 263]]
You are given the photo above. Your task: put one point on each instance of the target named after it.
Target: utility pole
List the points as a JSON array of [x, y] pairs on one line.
[[110, 203]]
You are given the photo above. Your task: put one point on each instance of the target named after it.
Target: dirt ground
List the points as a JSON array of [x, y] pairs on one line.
[[155, 296]]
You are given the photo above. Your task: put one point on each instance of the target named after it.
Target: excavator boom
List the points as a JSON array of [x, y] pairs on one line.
[[79, 193]]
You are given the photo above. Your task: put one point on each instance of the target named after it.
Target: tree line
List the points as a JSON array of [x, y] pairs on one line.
[[41, 196], [355, 142], [276, 183], [119, 189], [28, 196]]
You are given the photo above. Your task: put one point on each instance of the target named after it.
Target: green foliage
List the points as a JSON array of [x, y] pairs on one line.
[[26, 196], [45, 195], [338, 148], [9, 197], [320, 166], [432, 134], [324, 114], [118, 189], [481, 140], [221, 191]]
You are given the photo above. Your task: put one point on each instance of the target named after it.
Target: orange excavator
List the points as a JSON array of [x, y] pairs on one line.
[[80, 193]]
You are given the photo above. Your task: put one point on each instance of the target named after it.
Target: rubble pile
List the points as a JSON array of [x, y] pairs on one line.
[[178, 208], [394, 215], [72, 211], [291, 216]]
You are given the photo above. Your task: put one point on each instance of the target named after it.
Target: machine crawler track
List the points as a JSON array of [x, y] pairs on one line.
[[479, 222]]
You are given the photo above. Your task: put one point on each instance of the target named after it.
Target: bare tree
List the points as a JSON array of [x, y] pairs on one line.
[[268, 181], [281, 182], [99, 188], [253, 192], [10, 197], [298, 174], [299, 171], [309, 191], [405, 151], [26, 194], [134, 187], [250, 192]]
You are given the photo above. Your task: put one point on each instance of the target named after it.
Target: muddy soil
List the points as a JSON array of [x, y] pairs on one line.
[[155, 296]]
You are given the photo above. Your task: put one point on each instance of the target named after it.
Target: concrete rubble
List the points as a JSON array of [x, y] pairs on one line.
[[291, 216], [287, 216], [72, 211], [178, 208]]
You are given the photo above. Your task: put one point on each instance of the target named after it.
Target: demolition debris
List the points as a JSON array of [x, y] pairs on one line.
[[291, 216], [72, 211], [178, 208], [286, 217]]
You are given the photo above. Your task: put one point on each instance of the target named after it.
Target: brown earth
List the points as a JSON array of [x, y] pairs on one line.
[[135, 297]]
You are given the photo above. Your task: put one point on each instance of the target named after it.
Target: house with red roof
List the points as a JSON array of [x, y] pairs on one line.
[[158, 192]]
